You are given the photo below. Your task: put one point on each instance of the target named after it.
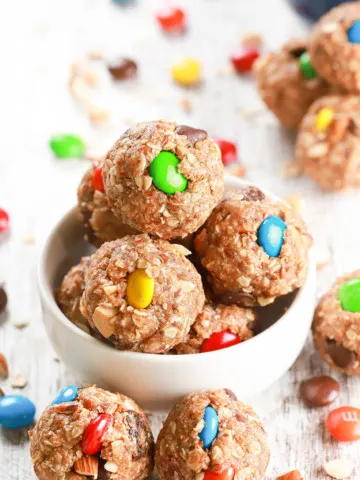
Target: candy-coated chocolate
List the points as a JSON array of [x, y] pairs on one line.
[[306, 67], [319, 391], [324, 119], [91, 441], [271, 235], [97, 181], [67, 145], [219, 340], [228, 151], [244, 59], [227, 474], [343, 424], [171, 19], [211, 427], [186, 72], [165, 174], [140, 289], [349, 295], [16, 411], [67, 394], [4, 220], [354, 32]]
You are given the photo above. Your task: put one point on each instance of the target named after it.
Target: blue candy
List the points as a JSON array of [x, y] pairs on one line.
[[354, 32], [67, 394], [16, 411], [271, 235], [210, 430]]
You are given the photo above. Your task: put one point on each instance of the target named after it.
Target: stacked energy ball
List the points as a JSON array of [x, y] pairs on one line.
[[159, 188], [314, 86]]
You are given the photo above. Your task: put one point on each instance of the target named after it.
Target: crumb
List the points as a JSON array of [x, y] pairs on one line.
[[225, 71], [322, 256], [296, 201], [339, 468], [186, 104], [21, 324], [252, 39], [236, 170], [291, 169], [97, 115], [19, 381], [29, 239], [95, 54]]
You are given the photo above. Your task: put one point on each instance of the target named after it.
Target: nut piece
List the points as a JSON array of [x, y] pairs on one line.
[[4, 369], [293, 475], [88, 466], [339, 468], [67, 408], [19, 381], [111, 467], [101, 318]]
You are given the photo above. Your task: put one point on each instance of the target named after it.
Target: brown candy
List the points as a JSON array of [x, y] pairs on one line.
[[3, 299], [123, 68], [193, 135], [319, 391], [242, 299], [341, 356]]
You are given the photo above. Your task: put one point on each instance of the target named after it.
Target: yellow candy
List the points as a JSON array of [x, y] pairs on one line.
[[186, 71], [324, 119], [140, 289]]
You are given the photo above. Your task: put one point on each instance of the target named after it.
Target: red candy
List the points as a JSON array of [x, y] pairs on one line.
[[228, 151], [344, 424], [171, 19], [244, 59], [4, 221], [91, 441], [219, 340], [227, 474], [97, 180]]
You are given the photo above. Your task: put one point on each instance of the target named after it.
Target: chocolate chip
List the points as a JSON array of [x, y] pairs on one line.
[[231, 394], [242, 299], [341, 356], [319, 391], [137, 431], [253, 194], [3, 299], [296, 48], [193, 135], [123, 68], [102, 473]]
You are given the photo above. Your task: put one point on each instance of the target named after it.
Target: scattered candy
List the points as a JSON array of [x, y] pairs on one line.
[[210, 430], [186, 72], [97, 181], [140, 289], [91, 442], [228, 151], [16, 411], [123, 68], [319, 391], [244, 59], [67, 145], [349, 295], [172, 20], [220, 340], [292, 475], [4, 221], [339, 468], [324, 119], [3, 299], [306, 66], [271, 235], [67, 394], [227, 474], [343, 424], [354, 32], [165, 174], [4, 369]]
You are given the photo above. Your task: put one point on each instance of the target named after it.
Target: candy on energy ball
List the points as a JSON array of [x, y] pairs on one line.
[[220, 340], [244, 59], [186, 72], [349, 295], [324, 119], [67, 145], [172, 20], [319, 391], [4, 221], [334, 48], [16, 411], [163, 179], [67, 394], [127, 274], [329, 155], [97, 180], [343, 424], [94, 432], [228, 151], [306, 66], [239, 269], [211, 427], [181, 453], [271, 235], [283, 87]]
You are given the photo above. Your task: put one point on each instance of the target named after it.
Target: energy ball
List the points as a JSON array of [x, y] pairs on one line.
[[210, 434], [335, 47], [164, 179], [253, 249], [101, 225], [217, 327], [328, 142], [336, 325], [69, 294], [142, 294], [285, 83], [91, 433]]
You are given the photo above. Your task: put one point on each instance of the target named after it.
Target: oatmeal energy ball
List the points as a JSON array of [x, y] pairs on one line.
[[335, 47], [253, 249], [336, 325], [328, 142], [217, 327], [164, 179], [90, 433], [101, 225], [142, 294], [287, 83], [211, 435]]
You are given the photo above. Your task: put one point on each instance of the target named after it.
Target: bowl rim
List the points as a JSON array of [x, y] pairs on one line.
[[48, 297]]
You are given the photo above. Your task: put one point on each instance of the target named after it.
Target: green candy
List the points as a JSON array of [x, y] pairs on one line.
[[67, 146], [165, 174], [306, 66], [349, 295]]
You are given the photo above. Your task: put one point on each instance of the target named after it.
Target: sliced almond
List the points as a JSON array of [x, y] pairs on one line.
[[293, 475], [180, 249], [4, 369], [339, 468], [88, 466], [110, 289], [139, 181], [19, 381], [111, 467], [147, 181], [101, 319], [67, 408]]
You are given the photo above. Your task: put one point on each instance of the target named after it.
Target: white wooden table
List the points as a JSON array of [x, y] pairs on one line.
[[40, 39]]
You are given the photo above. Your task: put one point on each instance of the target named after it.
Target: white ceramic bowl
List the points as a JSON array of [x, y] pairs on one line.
[[156, 382]]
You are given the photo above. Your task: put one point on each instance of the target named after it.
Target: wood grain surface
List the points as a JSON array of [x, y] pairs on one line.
[[40, 39]]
